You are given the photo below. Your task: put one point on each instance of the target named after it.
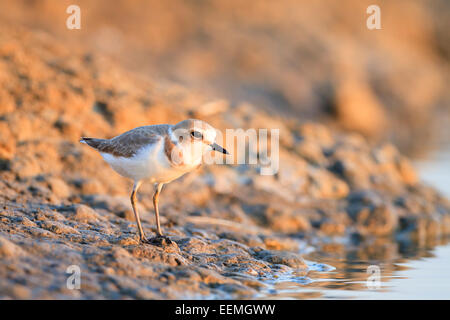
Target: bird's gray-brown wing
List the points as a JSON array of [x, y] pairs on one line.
[[128, 143]]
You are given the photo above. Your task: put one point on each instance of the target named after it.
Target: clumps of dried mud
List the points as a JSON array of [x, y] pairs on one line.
[[232, 227]]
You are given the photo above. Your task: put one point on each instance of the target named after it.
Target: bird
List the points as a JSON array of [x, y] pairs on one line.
[[158, 154]]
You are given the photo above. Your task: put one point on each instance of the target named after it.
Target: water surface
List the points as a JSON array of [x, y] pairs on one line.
[[418, 273]]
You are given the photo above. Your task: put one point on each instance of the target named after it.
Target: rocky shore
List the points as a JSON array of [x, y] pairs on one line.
[[233, 229]]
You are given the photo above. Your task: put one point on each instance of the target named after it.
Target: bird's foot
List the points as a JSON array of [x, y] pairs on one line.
[[159, 240], [143, 239]]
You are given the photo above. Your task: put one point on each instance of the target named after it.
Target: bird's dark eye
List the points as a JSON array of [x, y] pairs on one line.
[[196, 135]]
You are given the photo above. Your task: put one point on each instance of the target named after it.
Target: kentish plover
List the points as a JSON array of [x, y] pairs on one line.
[[158, 154]]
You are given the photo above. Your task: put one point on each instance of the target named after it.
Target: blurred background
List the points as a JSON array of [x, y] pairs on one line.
[[235, 64], [310, 60]]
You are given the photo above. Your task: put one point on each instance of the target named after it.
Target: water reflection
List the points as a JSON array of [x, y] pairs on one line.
[[342, 271]]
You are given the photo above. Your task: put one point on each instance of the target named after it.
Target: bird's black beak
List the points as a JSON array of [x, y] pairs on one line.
[[218, 148]]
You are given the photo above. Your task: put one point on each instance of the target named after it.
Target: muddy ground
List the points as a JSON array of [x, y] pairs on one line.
[[233, 228]]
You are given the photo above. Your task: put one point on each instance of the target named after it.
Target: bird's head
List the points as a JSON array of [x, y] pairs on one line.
[[195, 138]]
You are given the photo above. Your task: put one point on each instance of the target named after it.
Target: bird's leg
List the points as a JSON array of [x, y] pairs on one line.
[[136, 213], [159, 239], [155, 205]]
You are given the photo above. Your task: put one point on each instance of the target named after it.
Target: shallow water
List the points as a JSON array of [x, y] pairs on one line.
[[417, 273], [407, 270]]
